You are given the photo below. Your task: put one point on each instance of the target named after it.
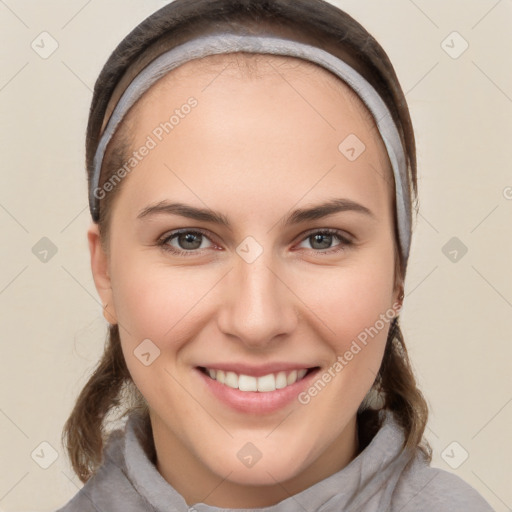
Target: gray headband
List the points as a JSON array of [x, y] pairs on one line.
[[229, 43]]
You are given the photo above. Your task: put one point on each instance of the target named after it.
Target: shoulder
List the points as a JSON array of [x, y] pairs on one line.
[[108, 488], [424, 488]]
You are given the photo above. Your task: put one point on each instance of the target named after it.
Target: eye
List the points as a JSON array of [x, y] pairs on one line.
[[186, 242], [190, 242], [323, 239]]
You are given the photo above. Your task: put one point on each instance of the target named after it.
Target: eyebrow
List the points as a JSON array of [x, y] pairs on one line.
[[296, 217]]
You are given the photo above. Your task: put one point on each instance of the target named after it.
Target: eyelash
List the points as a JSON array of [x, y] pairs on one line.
[[163, 242]]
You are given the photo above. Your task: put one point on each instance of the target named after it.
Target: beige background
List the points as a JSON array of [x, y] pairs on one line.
[[457, 315]]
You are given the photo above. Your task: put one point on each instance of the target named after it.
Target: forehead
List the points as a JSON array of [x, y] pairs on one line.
[[244, 66], [301, 107]]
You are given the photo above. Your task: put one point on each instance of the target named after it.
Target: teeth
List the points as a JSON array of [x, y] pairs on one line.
[[246, 383], [292, 377], [281, 380], [231, 380], [267, 383], [264, 383]]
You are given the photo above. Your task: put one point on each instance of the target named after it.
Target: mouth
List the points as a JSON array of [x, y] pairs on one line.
[[262, 384], [252, 394]]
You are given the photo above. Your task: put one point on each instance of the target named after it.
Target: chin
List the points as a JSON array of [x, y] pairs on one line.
[[258, 462], [267, 473]]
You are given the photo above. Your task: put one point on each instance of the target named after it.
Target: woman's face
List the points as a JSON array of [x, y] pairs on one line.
[[264, 291]]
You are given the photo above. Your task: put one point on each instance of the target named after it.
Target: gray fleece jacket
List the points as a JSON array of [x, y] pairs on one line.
[[382, 478]]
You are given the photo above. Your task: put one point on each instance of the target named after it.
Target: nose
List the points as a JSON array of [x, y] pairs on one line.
[[258, 305]]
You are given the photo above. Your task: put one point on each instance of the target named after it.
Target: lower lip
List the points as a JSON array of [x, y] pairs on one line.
[[256, 402]]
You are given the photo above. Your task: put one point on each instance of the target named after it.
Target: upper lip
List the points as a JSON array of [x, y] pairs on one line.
[[256, 370]]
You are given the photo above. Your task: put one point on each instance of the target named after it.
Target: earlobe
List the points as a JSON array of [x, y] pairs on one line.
[[399, 297], [100, 273]]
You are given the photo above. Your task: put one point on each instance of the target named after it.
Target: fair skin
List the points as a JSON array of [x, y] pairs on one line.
[[254, 149]]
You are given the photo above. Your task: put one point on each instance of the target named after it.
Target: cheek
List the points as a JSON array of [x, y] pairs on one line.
[[352, 311], [159, 303], [163, 305], [348, 300]]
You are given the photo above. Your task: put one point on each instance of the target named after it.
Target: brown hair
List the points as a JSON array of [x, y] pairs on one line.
[[316, 22]]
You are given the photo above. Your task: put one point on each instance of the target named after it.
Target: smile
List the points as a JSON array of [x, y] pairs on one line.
[[264, 384], [255, 394]]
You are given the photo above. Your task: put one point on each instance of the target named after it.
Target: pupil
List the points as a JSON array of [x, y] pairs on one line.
[[190, 238], [325, 237]]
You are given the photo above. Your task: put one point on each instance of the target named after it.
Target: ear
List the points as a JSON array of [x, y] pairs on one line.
[[398, 297], [399, 285], [100, 273]]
